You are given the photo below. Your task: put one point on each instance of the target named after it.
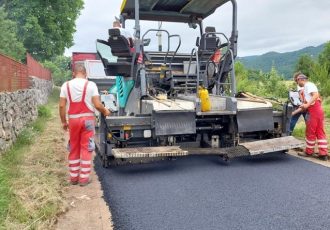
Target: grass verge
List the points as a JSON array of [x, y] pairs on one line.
[[32, 173]]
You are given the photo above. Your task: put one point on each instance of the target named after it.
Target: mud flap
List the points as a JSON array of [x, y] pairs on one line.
[[272, 145]]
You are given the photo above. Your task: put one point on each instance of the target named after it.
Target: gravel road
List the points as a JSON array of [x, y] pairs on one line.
[[273, 191]]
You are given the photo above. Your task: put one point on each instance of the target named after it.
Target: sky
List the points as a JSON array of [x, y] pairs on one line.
[[263, 25]]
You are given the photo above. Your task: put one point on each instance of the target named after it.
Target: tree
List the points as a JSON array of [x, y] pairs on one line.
[[305, 64], [324, 57], [9, 43], [320, 76], [45, 27], [59, 68]]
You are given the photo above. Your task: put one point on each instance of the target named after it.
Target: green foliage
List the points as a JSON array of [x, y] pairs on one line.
[[9, 43], [59, 68], [262, 84], [299, 130], [320, 76], [45, 27], [324, 57], [305, 64], [44, 111]]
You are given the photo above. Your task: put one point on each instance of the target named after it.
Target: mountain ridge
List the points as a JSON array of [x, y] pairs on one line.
[[284, 62]]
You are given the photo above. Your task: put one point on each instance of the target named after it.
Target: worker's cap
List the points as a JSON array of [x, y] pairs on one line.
[[302, 77]]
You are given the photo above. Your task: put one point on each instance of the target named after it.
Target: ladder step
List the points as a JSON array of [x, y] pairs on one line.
[[160, 151]]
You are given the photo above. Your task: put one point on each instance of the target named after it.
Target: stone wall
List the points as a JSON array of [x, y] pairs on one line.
[[20, 108]]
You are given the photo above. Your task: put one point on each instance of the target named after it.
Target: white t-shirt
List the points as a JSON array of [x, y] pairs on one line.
[[76, 90], [124, 32], [308, 89], [299, 88]]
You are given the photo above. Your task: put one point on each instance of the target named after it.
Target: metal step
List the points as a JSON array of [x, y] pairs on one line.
[[142, 152], [183, 88], [272, 145]]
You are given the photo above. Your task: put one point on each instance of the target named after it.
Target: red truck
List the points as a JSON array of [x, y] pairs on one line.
[[80, 57], [94, 69]]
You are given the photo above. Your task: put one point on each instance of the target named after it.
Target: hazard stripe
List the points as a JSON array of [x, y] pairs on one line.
[[322, 141], [74, 168], [74, 174], [85, 169], [86, 162], [310, 142], [74, 161], [323, 146], [81, 115], [310, 146], [84, 175]]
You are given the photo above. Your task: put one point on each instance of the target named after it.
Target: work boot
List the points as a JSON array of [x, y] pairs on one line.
[[323, 157], [304, 154], [86, 183]]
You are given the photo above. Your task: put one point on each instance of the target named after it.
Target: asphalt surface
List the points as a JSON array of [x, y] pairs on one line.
[[274, 191]]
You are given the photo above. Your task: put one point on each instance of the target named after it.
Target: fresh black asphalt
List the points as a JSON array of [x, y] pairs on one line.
[[274, 191]]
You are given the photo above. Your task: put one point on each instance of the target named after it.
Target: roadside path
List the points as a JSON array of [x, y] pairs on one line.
[[86, 206]]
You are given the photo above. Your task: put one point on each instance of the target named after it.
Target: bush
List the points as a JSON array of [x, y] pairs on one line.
[[44, 111]]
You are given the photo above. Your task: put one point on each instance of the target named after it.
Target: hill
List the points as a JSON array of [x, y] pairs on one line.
[[283, 62]]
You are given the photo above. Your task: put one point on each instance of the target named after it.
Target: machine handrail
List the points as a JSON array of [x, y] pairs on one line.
[[168, 40], [177, 48]]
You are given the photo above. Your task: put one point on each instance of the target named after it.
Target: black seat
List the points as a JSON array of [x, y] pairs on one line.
[[208, 42], [119, 44]]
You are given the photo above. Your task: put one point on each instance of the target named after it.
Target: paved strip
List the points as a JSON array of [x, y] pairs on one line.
[[271, 191]]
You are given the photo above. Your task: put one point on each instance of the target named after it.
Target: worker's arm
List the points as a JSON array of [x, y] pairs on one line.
[[299, 110], [62, 111], [315, 96], [99, 106]]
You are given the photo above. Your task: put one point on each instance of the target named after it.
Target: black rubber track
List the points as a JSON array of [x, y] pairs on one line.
[[273, 191]]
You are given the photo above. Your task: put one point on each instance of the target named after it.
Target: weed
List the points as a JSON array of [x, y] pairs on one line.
[[44, 111]]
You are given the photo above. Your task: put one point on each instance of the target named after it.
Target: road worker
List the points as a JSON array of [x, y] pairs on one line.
[[123, 31], [79, 98], [314, 119], [298, 111]]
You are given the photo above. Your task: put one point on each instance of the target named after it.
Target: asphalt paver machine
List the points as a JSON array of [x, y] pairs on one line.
[[169, 104]]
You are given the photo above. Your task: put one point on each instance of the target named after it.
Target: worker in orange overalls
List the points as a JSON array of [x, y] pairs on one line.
[[79, 98], [314, 119]]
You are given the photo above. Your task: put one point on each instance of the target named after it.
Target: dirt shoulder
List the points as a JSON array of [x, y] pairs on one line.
[[87, 209], [86, 206]]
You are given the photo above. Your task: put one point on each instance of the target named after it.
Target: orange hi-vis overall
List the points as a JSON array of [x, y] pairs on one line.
[[81, 146], [315, 130]]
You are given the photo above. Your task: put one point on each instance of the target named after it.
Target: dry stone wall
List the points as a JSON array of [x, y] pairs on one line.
[[19, 108]]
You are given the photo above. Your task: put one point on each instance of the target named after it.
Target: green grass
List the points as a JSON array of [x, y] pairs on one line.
[[299, 130], [11, 162]]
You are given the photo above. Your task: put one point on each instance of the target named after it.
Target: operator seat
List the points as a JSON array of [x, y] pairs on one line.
[[208, 42], [120, 46]]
